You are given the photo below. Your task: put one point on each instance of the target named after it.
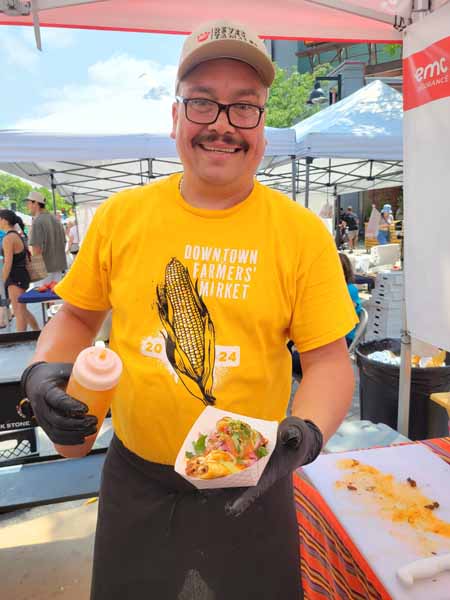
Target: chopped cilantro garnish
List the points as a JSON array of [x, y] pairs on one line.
[[200, 444], [189, 455], [261, 451]]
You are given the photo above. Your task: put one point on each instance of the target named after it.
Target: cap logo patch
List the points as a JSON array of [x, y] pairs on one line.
[[225, 33], [203, 37]]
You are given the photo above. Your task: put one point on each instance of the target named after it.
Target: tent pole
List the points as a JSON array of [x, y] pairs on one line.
[[294, 177], [53, 187], [404, 390], [308, 160], [74, 205], [336, 215], [150, 169]]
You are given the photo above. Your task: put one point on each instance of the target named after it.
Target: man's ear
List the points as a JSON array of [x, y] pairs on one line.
[[174, 120]]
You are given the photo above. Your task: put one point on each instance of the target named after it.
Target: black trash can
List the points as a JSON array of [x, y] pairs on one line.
[[378, 392]]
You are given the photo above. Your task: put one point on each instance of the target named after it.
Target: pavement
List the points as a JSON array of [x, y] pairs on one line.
[[35, 309], [46, 552]]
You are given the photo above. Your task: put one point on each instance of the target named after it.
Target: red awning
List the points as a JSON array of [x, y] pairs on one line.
[[276, 19]]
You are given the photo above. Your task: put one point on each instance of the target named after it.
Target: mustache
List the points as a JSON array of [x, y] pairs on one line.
[[227, 139]]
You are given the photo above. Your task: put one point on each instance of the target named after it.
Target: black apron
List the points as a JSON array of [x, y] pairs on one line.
[[159, 538]]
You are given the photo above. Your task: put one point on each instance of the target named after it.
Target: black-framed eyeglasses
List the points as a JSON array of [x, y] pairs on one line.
[[203, 111]]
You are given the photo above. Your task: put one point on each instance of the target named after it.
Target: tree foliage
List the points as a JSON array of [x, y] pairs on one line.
[[14, 190], [288, 95], [393, 50]]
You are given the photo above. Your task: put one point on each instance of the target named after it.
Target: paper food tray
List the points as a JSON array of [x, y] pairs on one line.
[[206, 424]]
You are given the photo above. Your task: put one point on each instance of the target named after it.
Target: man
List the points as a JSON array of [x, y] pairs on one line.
[[352, 222], [206, 287], [47, 237], [384, 226]]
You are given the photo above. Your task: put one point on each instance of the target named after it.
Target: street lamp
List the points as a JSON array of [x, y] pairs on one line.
[[318, 96]]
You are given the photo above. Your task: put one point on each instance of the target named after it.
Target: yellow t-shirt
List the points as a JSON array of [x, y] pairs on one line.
[[203, 303]]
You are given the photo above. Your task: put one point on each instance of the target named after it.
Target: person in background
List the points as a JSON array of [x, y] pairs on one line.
[[15, 275], [352, 222], [47, 237], [368, 280], [174, 313], [73, 240], [67, 224], [353, 291], [386, 220], [341, 231]]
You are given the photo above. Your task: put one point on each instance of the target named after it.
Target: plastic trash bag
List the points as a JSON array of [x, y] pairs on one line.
[[373, 224]]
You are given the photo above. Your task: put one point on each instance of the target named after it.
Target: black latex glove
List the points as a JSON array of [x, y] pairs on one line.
[[64, 419], [298, 443]]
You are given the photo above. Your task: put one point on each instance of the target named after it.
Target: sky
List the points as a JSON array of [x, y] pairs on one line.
[[87, 81]]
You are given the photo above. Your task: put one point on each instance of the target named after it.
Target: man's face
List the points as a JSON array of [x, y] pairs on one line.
[[31, 206], [205, 149]]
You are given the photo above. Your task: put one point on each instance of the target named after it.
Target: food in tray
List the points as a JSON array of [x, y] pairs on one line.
[[232, 447], [398, 501]]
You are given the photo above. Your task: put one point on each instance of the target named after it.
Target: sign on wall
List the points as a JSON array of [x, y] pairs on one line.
[[427, 74]]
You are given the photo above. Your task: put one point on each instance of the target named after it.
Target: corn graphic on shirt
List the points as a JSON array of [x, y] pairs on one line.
[[203, 303]]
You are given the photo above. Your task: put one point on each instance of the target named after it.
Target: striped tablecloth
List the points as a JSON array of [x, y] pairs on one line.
[[331, 565]]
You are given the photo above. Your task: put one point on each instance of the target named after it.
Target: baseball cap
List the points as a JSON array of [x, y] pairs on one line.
[[225, 39], [36, 197]]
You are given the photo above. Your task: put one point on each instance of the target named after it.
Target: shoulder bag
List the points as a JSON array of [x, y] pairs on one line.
[[36, 267]]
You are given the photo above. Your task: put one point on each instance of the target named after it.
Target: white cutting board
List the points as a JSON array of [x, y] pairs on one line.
[[386, 545]]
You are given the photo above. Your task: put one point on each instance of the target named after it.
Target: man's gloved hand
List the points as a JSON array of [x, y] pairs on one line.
[[64, 419], [299, 442]]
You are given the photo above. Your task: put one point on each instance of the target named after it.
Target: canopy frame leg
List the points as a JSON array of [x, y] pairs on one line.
[[294, 178], [404, 388], [308, 162]]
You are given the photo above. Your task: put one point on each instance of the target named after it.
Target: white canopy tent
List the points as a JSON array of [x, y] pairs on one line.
[[87, 167], [353, 145], [91, 181], [366, 124], [29, 146], [364, 20]]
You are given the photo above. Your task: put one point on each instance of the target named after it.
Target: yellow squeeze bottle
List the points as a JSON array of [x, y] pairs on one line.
[[95, 375]]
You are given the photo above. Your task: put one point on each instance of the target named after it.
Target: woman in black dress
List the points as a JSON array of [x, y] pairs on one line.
[[15, 274]]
